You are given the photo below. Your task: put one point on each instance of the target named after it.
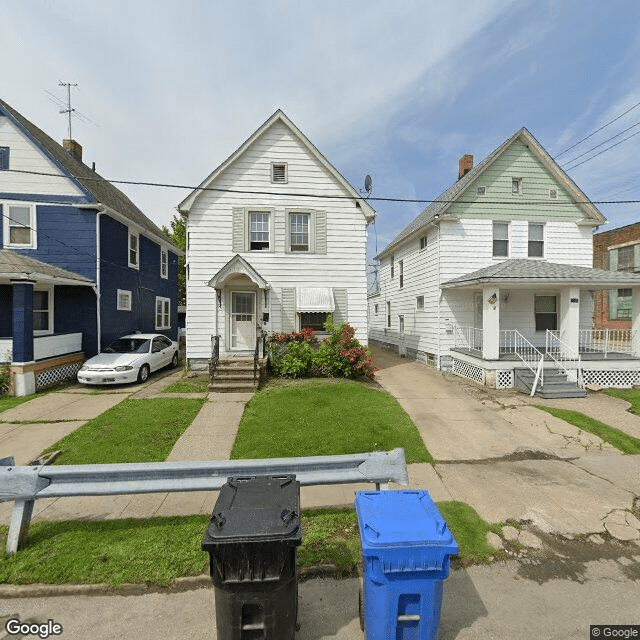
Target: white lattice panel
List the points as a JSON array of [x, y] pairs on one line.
[[504, 379], [620, 379], [466, 370], [52, 377]]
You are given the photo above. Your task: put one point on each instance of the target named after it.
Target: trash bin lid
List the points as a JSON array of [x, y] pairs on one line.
[[401, 519], [257, 509]]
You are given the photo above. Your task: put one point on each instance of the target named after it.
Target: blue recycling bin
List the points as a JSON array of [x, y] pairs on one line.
[[406, 547]]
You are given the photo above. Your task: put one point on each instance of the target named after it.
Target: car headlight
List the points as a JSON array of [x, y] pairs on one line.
[[125, 367]]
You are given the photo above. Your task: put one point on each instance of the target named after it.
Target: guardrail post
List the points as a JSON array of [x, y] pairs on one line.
[[19, 525]]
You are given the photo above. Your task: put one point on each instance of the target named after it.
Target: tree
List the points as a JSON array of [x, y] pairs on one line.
[[178, 235]]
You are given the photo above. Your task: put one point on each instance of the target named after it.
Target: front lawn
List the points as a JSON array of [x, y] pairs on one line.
[[8, 402], [132, 431], [318, 418], [632, 396], [196, 384]]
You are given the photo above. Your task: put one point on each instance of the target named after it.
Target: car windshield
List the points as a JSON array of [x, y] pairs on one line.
[[129, 345]]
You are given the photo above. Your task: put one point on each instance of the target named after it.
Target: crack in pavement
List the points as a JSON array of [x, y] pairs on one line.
[[516, 456]]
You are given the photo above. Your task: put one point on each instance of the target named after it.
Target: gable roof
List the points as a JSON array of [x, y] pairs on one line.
[[97, 188], [279, 116], [520, 271], [14, 266], [439, 207]]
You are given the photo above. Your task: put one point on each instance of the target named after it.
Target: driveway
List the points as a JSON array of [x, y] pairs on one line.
[[509, 460]]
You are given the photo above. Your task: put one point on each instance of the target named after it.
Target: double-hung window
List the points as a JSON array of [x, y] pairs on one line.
[[389, 314], [164, 263], [259, 230], [134, 250], [19, 225], [501, 239], [536, 240], [392, 265], [401, 273], [43, 311], [4, 158], [546, 313], [163, 313], [123, 300], [299, 231], [625, 258]]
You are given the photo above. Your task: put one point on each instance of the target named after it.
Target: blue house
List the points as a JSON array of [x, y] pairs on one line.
[[80, 264]]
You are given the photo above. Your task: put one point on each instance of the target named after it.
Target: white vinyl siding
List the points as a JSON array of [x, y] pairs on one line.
[[218, 230]]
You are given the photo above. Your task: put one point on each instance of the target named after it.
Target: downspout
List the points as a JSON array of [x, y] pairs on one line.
[[99, 212]]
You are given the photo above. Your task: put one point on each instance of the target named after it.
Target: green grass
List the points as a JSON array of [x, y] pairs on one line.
[[469, 530], [132, 431], [156, 550], [198, 384], [615, 437], [314, 418], [632, 396], [8, 402], [160, 550]]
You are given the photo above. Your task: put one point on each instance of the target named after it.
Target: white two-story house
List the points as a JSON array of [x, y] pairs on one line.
[[276, 241], [495, 277]]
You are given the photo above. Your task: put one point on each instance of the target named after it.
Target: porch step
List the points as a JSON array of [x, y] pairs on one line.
[[556, 384], [235, 374]]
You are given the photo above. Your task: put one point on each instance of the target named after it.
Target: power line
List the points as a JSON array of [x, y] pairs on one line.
[[601, 152], [602, 143], [593, 133], [142, 183]]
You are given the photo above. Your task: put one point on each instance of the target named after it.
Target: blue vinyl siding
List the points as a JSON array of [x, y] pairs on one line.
[[75, 311], [144, 283]]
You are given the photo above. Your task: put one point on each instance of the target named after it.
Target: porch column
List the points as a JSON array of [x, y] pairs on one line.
[[490, 323], [635, 322], [569, 317], [23, 382]]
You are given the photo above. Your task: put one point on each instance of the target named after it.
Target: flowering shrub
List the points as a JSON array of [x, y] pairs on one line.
[[339, 355]]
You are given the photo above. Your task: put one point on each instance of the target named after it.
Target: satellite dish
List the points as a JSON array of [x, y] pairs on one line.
[[368, 184]]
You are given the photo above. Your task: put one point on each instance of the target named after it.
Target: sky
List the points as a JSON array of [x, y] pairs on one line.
[[397, 90]]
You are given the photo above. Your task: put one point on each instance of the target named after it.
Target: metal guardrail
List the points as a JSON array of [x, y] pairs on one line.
[[532, 358], [567, 359], [24, 485]]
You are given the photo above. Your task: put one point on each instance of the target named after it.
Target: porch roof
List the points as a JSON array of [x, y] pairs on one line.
[[523, 273], [238, 266], [14, 266]]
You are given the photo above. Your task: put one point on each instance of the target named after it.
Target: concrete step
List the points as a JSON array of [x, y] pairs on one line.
[[229, 387], [571, 392]]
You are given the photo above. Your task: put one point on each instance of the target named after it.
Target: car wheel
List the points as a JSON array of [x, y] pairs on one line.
[[174, 362], [143, 374]]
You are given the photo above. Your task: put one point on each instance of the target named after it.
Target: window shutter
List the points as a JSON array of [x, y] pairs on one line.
[[341, 314], [320, 236], [239, 230], [613, 304], [613, 260], [288, 310], [636, 258]]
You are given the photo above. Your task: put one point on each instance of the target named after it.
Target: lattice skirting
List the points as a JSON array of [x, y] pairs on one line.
[[54, 376], [466, 370], [620, 379], [504, 379]]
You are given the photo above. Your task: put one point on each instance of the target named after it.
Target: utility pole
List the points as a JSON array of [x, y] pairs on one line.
[[68, 110]]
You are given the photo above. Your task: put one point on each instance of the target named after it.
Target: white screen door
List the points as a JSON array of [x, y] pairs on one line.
[[243, 321]]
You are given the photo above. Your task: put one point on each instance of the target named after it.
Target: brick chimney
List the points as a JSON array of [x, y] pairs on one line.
[[465, 164], [72, 147]]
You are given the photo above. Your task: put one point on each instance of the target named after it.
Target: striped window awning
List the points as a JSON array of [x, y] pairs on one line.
[[314, 299]]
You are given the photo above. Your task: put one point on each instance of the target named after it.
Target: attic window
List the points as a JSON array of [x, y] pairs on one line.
[[516, 186], [553, 194], [481, 191], [279, 172], [423, 243]]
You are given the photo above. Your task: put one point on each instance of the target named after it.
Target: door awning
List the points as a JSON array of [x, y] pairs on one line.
[[314, 299]]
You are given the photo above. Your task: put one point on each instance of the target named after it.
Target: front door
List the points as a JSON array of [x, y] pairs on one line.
[[243, 320]]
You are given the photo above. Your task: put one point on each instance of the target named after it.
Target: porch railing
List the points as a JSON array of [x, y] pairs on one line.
[[567, 359], [512, 341], [606, 341], [467, 338]]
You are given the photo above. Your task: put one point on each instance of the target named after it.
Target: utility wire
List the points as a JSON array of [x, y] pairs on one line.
[[330, 196], [602, 143], [601, 152], [593, 133]]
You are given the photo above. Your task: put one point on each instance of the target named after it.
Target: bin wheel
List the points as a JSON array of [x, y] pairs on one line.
[[361, 605]]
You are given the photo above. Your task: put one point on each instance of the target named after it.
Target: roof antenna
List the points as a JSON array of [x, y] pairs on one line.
[[368, 185], [68, 110]]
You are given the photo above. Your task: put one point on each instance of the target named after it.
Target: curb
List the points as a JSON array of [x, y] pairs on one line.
[[180, 585]]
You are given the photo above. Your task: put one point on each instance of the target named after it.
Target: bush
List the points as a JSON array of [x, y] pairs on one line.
[[339, 355], [4, 379]]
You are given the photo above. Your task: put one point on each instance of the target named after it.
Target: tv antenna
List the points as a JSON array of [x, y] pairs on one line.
[[65, 106], [69, 110]]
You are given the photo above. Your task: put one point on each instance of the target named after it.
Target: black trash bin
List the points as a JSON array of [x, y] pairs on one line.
[[252, 541]]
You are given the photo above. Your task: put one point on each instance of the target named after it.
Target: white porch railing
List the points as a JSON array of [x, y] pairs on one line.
[[512, 341], [566, 358], [467, 338], [606, 341]]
